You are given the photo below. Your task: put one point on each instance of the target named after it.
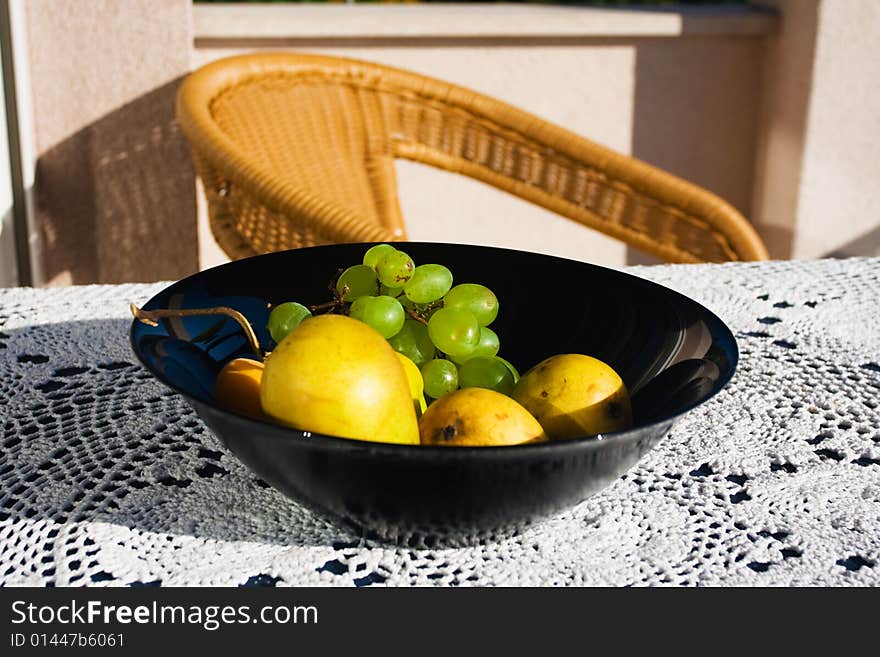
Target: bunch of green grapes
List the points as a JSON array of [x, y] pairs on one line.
[[443, 329]]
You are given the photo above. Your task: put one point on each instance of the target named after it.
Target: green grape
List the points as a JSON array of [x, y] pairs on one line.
[[476, 299], [356, 282], [486, 372], [454, 332], [395, 268], [391, 291], [384, 314], [489, 342], [440, 377], [285, 317], [423, 339], [428, 283], [511, 368], [413, 342], [374, 254], [488, 346]]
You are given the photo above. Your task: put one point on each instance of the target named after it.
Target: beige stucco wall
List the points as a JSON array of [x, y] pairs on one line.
[[788, 71], [839, 199], [819, 153], [682, 97], [113, 185]]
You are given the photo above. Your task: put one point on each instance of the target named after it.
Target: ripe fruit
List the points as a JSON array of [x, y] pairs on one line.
[[416, 385], [238, 387], [286, 317], [337, 376], [455, 332], [512, 369], [438, 327], [413, 342], [395, 268], [440, 377], [478, 417], [486, 372], [487, 346], [428, 283], [382, 313], [375, 253], [476, 299], [356, 282], [573, 395]]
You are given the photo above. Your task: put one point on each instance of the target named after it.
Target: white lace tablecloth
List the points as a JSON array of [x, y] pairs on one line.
[[108, 478]]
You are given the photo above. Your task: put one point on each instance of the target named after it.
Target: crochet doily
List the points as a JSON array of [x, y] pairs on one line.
[[109, 478]]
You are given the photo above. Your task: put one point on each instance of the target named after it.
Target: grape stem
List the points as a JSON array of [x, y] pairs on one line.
[[419, 316], [151, 317], [336, 302], [329, 305], [416, 316]]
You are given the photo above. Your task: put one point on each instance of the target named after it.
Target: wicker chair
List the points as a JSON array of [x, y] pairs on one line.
[[296, 150]]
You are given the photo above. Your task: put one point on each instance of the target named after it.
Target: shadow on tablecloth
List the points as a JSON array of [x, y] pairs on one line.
[[89, 436]]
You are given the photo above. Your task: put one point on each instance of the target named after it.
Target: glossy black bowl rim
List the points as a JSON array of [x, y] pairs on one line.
[[336, 442]]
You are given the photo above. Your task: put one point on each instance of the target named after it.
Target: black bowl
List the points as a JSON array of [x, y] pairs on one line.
[[671, 352]]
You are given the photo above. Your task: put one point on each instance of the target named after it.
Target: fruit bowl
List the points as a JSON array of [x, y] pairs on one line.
[[672, 353]]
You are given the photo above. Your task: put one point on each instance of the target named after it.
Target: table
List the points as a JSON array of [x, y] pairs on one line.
[[108, 478]]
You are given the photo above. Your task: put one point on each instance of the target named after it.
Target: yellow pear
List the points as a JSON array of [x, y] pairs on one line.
[[573, 395], [335, 375], [416, 383], [480, 417]]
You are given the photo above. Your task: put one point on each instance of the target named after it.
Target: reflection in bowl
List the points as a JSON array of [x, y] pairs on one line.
[[671, 352]]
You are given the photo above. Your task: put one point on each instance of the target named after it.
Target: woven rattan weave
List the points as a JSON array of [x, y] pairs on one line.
[[296, 150]]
